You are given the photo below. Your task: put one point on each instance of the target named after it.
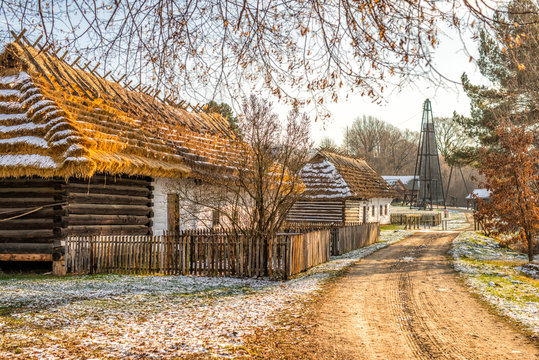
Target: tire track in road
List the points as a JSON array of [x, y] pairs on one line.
[[404, 302]]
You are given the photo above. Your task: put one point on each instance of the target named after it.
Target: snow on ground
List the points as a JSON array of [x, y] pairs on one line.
[[495, 273], [120, 316]]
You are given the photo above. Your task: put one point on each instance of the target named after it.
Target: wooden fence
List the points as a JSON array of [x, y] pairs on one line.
[[430, 219], [202, 252], [307, 250], [211, 253], [350, 238]]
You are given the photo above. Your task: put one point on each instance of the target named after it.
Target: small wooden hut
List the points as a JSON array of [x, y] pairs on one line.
[[81, 155], [342, 189]]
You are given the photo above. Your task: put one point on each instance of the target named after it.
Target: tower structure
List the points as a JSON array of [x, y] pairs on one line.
[[427, 174]]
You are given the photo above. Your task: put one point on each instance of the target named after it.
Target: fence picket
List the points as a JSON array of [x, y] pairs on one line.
[[214, 253]]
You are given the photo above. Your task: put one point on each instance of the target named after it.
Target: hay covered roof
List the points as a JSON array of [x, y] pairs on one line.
[[56, 120], [330, 175]]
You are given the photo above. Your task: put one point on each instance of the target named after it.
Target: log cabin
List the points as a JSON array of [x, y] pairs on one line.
[[82, 155], [342, 189]]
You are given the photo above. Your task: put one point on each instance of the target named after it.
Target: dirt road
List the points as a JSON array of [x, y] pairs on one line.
[[405, 302]]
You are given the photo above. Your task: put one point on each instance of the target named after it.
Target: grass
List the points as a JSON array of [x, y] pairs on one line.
[[391, 227], [492, 271]]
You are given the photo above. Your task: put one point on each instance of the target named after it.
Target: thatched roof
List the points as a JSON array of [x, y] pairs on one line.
[[56, 120], [333, 176]]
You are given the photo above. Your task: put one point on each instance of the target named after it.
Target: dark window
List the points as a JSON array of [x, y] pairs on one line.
[[373, 209]]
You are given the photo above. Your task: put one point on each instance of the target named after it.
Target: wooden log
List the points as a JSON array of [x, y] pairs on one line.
[[27, 224], [108, 199], [103, 209], [26, 248], [30, 194], [108, 230], [28, 183], [111, 180], [38, 236], [10, 203], [74, 219], [25, 257], [21, 189], [108, 189], [48, 212]]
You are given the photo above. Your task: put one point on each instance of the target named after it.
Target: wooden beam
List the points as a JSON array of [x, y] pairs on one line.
[[108, 199], [37, 236], [25, 257], [107, 220], [107, 189], [25, 248], [105, 209], [109, 230]]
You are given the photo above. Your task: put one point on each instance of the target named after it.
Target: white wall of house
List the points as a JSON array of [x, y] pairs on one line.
[[192, 216], [381, 210]]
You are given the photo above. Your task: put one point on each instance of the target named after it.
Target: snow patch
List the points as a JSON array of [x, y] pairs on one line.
[[33, 160], [121, 316], [29, 140]]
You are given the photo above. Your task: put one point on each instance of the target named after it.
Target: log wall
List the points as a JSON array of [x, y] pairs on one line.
[[317, 211], [107, 205], [40, 201], [55, 208]]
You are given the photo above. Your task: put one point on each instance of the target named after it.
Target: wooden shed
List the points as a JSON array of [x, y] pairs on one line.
[[81, 155], [342, 189]]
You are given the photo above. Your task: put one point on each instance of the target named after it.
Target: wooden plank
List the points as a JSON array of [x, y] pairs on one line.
[[107, 199], [107, 209], [79, 219], [25, 257], [27, 224], [108, 189]]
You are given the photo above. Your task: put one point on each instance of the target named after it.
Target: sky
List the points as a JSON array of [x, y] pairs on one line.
[[403, 108]]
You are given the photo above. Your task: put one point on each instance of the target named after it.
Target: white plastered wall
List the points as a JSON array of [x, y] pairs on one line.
[[192, 216], [382, 217]]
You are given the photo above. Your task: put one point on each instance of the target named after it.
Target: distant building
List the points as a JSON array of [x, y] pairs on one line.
[[342, 189], [407, 191], [482, 194]]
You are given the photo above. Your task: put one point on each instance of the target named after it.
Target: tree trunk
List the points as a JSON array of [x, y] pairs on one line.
[[530, 238]]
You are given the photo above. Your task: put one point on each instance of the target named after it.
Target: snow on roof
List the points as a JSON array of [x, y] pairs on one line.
[[405, 179], [46, 106], [333, 176], [479, 193]]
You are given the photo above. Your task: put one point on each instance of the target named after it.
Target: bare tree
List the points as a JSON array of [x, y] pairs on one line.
[[387, 149], [450, 139], [329, 144], [304, 52], [266, 183]]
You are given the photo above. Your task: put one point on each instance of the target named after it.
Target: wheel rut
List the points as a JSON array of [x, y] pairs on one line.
[[405, 302]]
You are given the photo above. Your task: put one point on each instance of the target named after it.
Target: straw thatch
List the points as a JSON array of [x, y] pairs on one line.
[[333, 176], [56, 120]]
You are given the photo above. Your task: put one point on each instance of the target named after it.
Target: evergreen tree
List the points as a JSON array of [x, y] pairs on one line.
[[509, 60], [224, 110]]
